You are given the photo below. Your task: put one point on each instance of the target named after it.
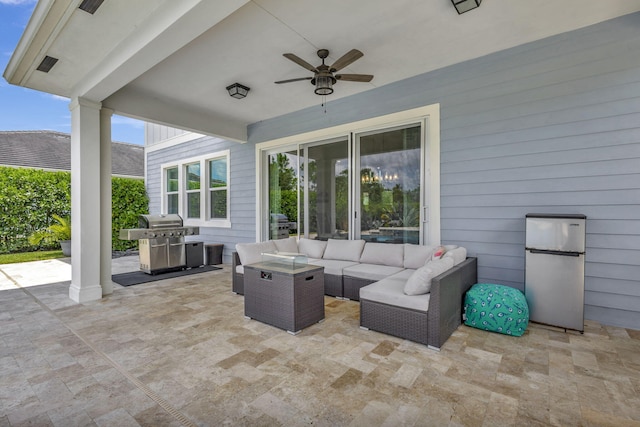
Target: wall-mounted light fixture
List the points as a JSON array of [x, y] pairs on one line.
[[463, 6], [238, 91]]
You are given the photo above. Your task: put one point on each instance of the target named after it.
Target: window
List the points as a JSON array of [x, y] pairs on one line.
[[218, 188], [193, 190], [198, 190], [171, 179]]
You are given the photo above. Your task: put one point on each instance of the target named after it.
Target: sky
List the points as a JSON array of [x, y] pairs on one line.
[[27, 109]]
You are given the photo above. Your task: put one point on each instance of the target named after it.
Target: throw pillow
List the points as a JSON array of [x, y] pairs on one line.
[[438, 252], [458, 255], [420, 281]]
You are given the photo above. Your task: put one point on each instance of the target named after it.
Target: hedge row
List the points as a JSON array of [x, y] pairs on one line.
[[29, 198]]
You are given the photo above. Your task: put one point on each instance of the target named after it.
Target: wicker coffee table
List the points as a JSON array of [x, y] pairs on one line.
[[290, 298]]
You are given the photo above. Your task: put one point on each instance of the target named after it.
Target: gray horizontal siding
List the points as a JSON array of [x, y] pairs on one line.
[[242, 188], [551, 126]]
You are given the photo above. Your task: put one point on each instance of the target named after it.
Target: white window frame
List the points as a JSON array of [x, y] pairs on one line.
[[187, 192], [430, 167], [205, 219], [166, 192]]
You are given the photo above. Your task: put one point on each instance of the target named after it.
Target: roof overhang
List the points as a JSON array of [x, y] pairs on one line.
[[169, 62]]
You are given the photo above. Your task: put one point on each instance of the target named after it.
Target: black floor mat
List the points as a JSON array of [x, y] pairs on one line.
[[137, 277]]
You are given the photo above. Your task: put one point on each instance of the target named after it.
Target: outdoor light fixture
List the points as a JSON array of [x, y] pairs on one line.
[[47, 64], [90, 6], [463, 6], [238, 91], [324, 84]]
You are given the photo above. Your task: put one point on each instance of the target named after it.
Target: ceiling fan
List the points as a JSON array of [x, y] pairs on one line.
[[323, 78]]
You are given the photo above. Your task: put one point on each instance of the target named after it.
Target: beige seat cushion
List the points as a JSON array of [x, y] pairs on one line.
[[391, 291], [371, 271]]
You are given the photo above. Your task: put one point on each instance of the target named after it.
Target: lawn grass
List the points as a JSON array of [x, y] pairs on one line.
[[29, 256]]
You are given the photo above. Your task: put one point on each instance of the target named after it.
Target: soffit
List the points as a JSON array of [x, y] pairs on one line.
[[243, 41]]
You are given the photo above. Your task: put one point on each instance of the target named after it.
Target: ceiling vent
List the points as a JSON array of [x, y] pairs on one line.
[[47, 64], [90, 6]]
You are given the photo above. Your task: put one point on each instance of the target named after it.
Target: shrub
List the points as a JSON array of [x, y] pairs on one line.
[[129, 199], [57, 232], [30, 198]]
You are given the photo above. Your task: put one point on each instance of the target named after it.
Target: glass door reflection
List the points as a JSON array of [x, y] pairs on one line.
[[390, 185]]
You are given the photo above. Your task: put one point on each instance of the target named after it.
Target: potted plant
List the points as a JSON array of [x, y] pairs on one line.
[[60, 231]]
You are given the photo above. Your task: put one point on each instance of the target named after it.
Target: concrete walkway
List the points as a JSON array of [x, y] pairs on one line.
[[44, 278]]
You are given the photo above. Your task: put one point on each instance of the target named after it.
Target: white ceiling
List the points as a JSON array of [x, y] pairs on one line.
[[170, 62]]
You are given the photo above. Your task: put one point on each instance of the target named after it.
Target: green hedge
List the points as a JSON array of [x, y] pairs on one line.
[[129, 199], [29, 198]]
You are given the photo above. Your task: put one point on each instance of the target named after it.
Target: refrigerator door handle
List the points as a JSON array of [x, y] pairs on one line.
[[561, 253]]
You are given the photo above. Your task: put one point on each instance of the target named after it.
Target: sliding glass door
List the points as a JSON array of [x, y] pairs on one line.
[[327, 186], [367, 185], [283, 193], [389, 190]]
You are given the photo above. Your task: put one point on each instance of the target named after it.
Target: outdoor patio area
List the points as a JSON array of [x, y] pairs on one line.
[[180, 352]]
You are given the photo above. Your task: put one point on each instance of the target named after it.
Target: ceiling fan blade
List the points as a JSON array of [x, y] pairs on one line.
[[354, 77], [301, 62], [346, 59], [293, 80]]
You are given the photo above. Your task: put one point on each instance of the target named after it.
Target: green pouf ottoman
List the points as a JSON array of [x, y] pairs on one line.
[[496, 308]]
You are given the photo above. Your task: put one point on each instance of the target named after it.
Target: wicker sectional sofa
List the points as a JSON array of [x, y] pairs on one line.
[[376, 274]]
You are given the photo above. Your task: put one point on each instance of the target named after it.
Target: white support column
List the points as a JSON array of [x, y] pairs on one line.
[[105, 201], [85, 201]]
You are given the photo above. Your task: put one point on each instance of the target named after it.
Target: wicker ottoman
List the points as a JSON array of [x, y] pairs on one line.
[[496, 308]]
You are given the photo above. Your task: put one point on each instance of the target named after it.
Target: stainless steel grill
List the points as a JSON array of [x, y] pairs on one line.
[[280, 226], [162, 245]]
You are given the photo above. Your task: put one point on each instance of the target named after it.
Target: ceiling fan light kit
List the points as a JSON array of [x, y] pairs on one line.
[[324, 85], [237, 90], [463, 6], [323, 75]]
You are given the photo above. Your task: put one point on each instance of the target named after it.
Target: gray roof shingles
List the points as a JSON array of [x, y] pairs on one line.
[[52, 150]]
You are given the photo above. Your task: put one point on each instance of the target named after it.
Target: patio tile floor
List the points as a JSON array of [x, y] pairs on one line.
[[180, 352]]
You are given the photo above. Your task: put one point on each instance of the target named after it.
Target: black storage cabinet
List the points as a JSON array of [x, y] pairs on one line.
[[194, 254]]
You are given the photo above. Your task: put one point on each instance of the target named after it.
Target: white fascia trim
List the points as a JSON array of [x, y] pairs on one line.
[[431, 112], [35, 23]]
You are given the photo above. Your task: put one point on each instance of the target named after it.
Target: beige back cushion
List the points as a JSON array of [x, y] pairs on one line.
[[383, 254], [251, 253], [312, 248], [286, 245], [415, 256], [344, 250]]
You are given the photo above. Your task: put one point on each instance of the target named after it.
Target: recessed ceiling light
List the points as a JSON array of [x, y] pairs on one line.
[[90, 6], [47, 64]]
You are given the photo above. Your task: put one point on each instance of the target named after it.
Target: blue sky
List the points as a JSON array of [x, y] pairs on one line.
[[26, 109]]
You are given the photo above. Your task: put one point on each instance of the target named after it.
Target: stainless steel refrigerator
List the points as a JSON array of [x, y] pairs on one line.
[[554, 269]]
